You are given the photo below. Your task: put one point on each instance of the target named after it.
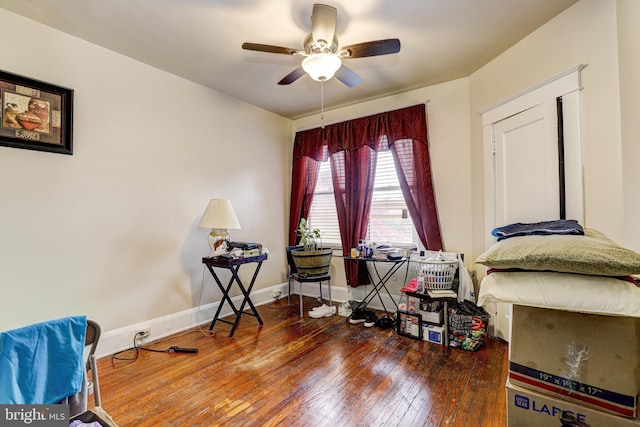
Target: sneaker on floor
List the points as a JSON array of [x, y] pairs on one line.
[[385, 323], [322, 307], [359, 315], [370, 321], [323, 311]]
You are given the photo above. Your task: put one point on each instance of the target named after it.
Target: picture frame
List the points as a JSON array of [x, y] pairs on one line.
[[409, 324], [35, 115]]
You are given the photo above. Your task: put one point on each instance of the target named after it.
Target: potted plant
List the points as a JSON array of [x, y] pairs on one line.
[[309, 236], [311, 258]]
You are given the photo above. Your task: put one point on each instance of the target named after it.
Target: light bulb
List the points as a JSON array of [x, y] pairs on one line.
[[321, 66]]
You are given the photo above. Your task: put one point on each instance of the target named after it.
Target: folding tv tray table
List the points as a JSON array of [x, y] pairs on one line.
[[233, 265], [380, 282]]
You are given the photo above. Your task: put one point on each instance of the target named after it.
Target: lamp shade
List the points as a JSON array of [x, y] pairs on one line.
[[219, 214], [321, 66]]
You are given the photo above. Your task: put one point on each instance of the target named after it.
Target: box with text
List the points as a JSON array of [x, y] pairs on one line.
[[585, 358], [528, 408]]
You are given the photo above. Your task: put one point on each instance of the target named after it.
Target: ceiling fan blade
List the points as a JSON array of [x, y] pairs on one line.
[[292, 76], [271, 49], [323, 24], [347, 76], [372, 48]]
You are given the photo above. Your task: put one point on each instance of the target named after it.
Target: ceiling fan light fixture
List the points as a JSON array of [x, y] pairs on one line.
[[321, 66]]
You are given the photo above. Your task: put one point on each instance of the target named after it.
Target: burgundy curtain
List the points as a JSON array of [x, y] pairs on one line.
[[352, 147], [309, 150], [414, 173], [353, 174]]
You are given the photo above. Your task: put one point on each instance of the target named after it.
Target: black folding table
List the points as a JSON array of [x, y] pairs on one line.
[[233, 265], [380, 282]]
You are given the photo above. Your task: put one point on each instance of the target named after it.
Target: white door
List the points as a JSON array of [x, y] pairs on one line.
[[526, 157], [526, 178], [522, 163]]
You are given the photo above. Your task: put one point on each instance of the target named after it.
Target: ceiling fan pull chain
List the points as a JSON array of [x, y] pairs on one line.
[[322, 104]]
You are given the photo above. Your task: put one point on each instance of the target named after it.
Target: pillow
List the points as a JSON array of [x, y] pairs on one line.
[[561, 291], [592, 254]]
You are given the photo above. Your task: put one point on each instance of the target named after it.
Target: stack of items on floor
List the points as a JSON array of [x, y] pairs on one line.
[[442, 294], [574, 350]]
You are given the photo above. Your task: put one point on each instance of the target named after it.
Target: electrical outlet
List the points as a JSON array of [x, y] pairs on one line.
[[277, 294], [142, 334]]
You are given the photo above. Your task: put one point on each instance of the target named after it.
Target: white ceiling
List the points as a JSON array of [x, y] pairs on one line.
[[201, 40]]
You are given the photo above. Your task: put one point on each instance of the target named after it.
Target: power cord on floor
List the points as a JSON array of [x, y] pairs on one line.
[[136, 348], [274, 305], [204, 332]]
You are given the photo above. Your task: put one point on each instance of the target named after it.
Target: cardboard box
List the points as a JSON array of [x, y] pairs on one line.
[[589, 359], [528, 408], [432, 333]]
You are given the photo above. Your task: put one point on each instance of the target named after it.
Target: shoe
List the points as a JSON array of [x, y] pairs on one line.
[[323, 311], [385, 323], [370, 321], [359, 315], [322, 307]]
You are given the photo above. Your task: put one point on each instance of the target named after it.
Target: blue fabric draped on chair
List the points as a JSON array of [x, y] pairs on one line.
[[42, 363]]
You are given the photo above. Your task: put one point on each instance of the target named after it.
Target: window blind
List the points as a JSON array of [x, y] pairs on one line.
[[389, 221]]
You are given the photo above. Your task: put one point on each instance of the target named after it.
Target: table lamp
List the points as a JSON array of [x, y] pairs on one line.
[[219, 216]]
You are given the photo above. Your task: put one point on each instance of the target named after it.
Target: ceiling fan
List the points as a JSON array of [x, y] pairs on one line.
[[322, 54]]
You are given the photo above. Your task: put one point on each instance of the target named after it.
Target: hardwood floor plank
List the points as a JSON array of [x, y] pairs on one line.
[[306, 372]]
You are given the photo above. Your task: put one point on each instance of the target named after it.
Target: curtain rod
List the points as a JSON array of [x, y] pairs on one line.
[[370, 114]]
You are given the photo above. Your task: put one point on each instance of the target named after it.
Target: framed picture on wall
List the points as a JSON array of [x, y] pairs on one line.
[[35, 115]]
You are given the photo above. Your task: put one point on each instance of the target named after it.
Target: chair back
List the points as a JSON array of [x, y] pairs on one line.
[[91, 364], [91, 340]]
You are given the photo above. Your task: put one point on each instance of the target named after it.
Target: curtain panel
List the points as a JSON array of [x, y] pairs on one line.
[[351, 147]]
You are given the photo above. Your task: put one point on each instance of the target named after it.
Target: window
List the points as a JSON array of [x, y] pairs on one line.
[[323, 208], [389, 220]]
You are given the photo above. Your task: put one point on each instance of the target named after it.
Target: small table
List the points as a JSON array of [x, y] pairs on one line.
[[381, 279], [233, 265]]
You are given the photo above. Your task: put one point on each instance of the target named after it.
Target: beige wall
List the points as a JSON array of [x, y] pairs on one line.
[[629, 61], [111, 231], [587, 34]]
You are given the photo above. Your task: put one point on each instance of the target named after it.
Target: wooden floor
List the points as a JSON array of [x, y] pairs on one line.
[[306, 372]]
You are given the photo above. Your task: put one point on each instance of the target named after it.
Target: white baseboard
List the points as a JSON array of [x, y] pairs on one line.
[[121, 339]]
